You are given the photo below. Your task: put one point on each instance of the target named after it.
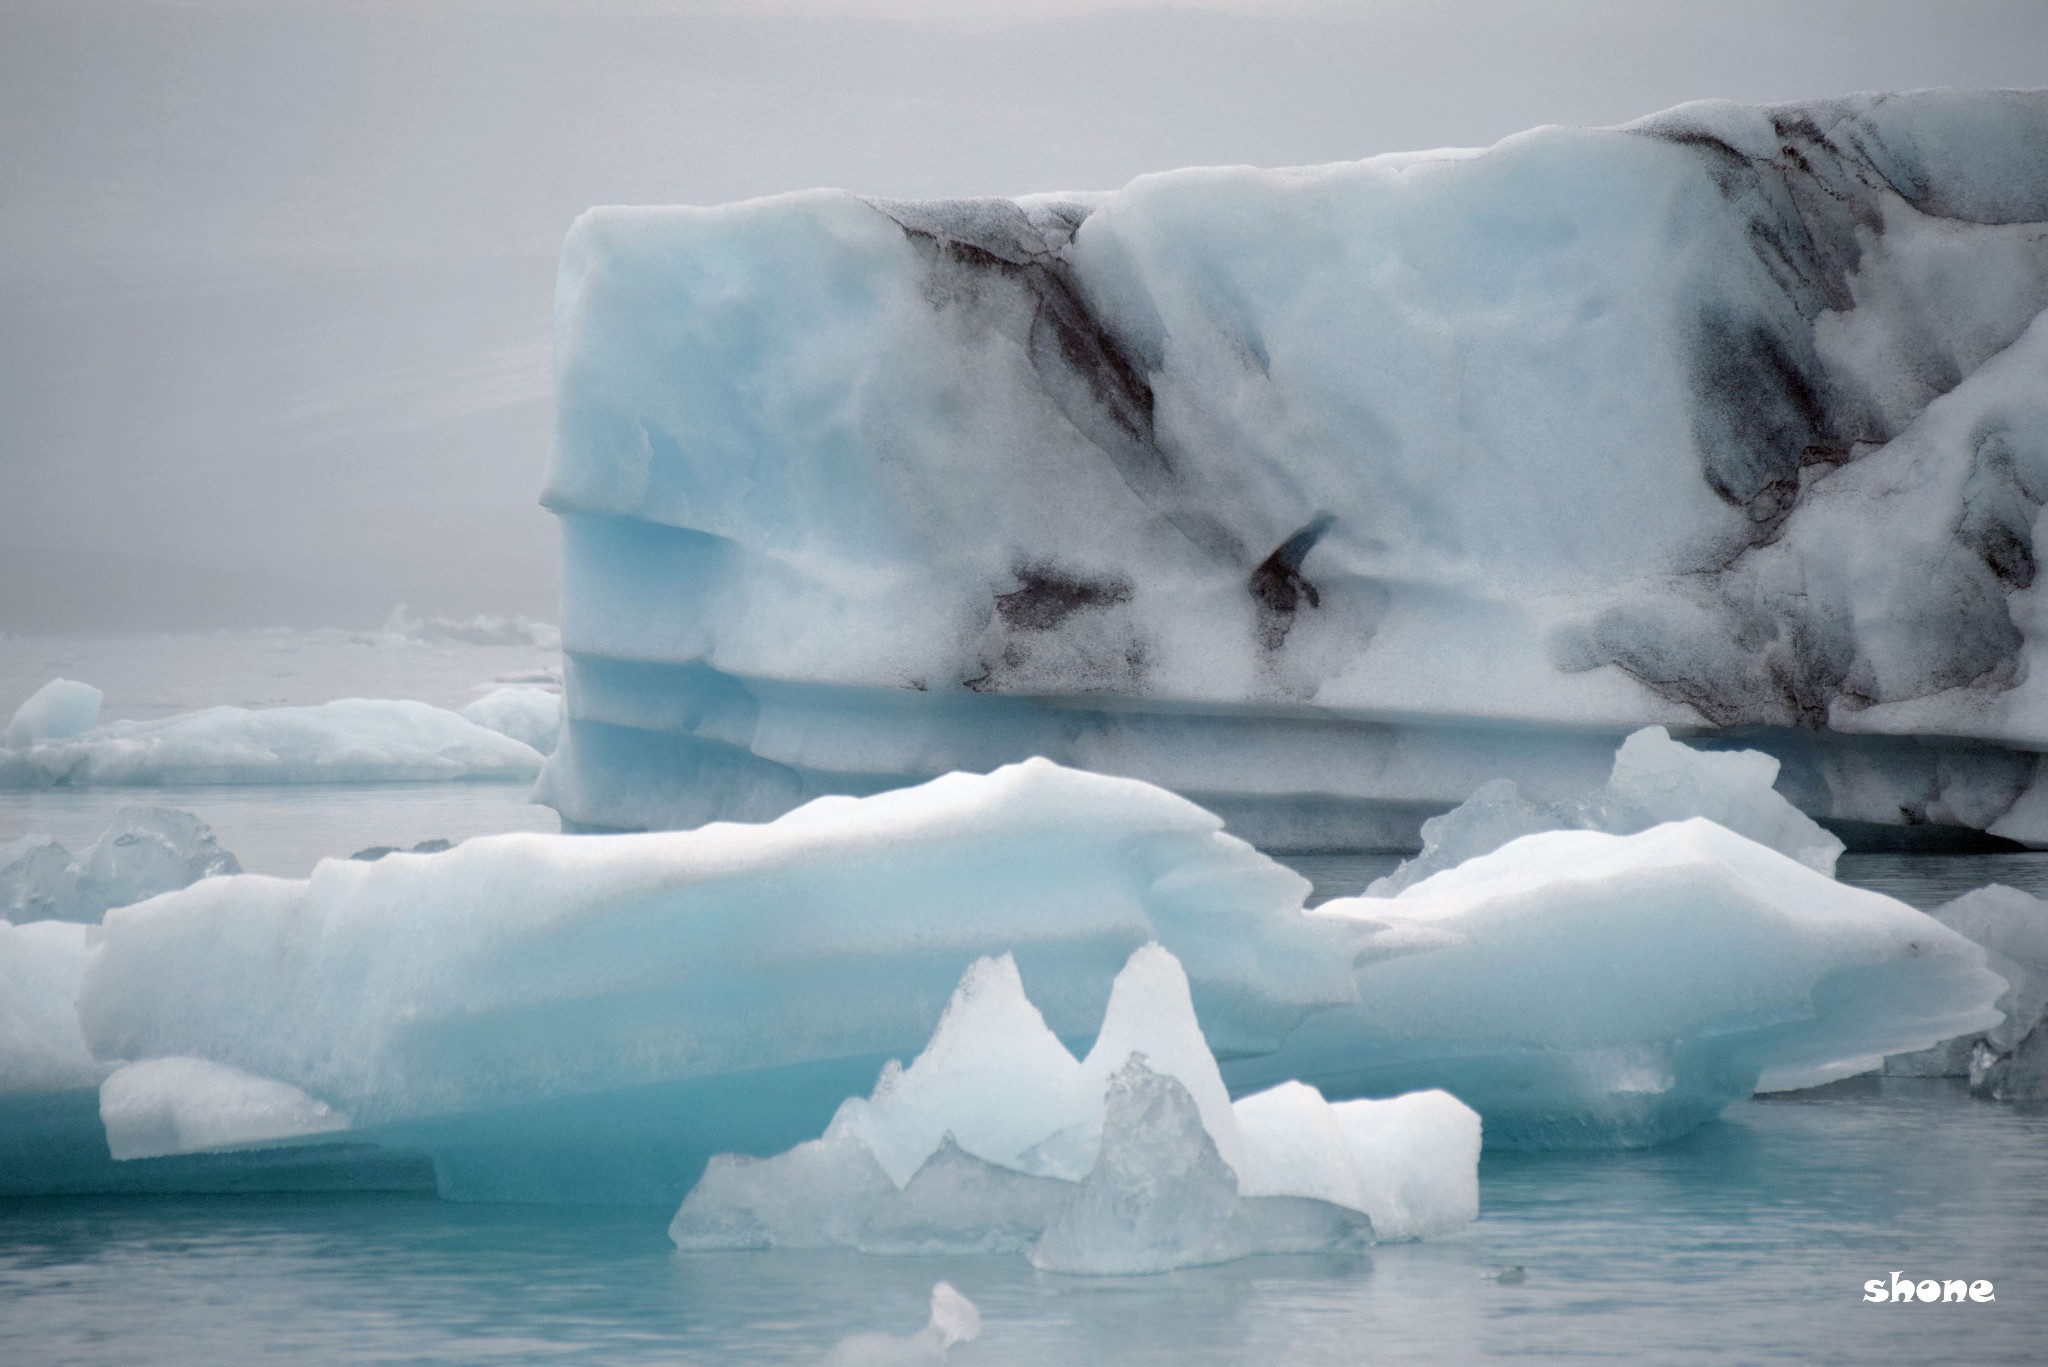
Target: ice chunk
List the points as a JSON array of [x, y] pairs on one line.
[[191, 1105], [955, 1319], [2013, 928], [148, 850], [354, 740], [41, 1047], [1161, 1197], [1581, 988], [705, 991], [1105, 1165], [525, 712], [58, 710], [1655, 779], [39, 882]]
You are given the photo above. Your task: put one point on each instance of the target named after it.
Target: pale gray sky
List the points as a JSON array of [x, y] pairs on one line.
[[275, 277]]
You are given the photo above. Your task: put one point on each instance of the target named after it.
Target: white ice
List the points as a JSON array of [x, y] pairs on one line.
[[190, 1105], [1129, 1160], [41, 1046], [593, 1017], [526, 712], [354, 740], [1655, 779], [59, 709], [1577, 987]]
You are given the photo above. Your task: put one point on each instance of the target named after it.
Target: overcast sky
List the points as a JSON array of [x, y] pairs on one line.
[[275, 277]]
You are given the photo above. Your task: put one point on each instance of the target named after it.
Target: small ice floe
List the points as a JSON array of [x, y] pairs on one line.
[[955, 1319]]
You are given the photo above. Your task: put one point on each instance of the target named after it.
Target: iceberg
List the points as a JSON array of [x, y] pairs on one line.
[[353, 740], [2005, 1061], [1130, 1160], [526, 712], [593, 1018], [635, 1004], [1323, 495], [1655, 779], [1582, 989]]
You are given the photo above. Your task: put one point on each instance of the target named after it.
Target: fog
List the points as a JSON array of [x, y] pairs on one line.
[[275, 278]]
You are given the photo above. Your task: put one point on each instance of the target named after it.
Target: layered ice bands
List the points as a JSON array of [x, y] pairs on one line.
[[1323, 495]]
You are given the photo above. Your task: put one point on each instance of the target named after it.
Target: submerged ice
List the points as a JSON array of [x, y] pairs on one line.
[[1129, 1160], [1324, 495]]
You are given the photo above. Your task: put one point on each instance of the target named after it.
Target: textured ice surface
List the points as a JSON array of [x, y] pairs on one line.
[[525, 712], [646, 1001], [1580, 988], [354, 740], [59, 709], [1133, 1159], [593, 1017], [1324, 495], [41, 1047], [2004, 1061], [1655, 779], [146, 851], [191, 1105]]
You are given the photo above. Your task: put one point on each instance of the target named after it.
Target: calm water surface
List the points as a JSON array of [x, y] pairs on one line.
[[1747, 1242]]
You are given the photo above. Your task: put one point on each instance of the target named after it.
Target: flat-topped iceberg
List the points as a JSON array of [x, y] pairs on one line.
[[1323, 495], [1132, 1159], [353, 740], [594, 1017]]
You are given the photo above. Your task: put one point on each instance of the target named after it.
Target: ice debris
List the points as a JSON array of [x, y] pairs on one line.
[[1130, 1160], [353, 740], [2009, 1061], [525, 712], [954, 1319], [191, 1105], [148, 850], [1655, 779]]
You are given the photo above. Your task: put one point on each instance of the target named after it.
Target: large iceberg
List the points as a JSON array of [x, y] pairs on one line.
[[1323, 495], [353, 740], [591, 1018], [1130, 1160]]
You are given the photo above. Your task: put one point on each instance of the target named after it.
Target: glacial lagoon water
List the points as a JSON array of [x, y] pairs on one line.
[[1749, 1241]]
